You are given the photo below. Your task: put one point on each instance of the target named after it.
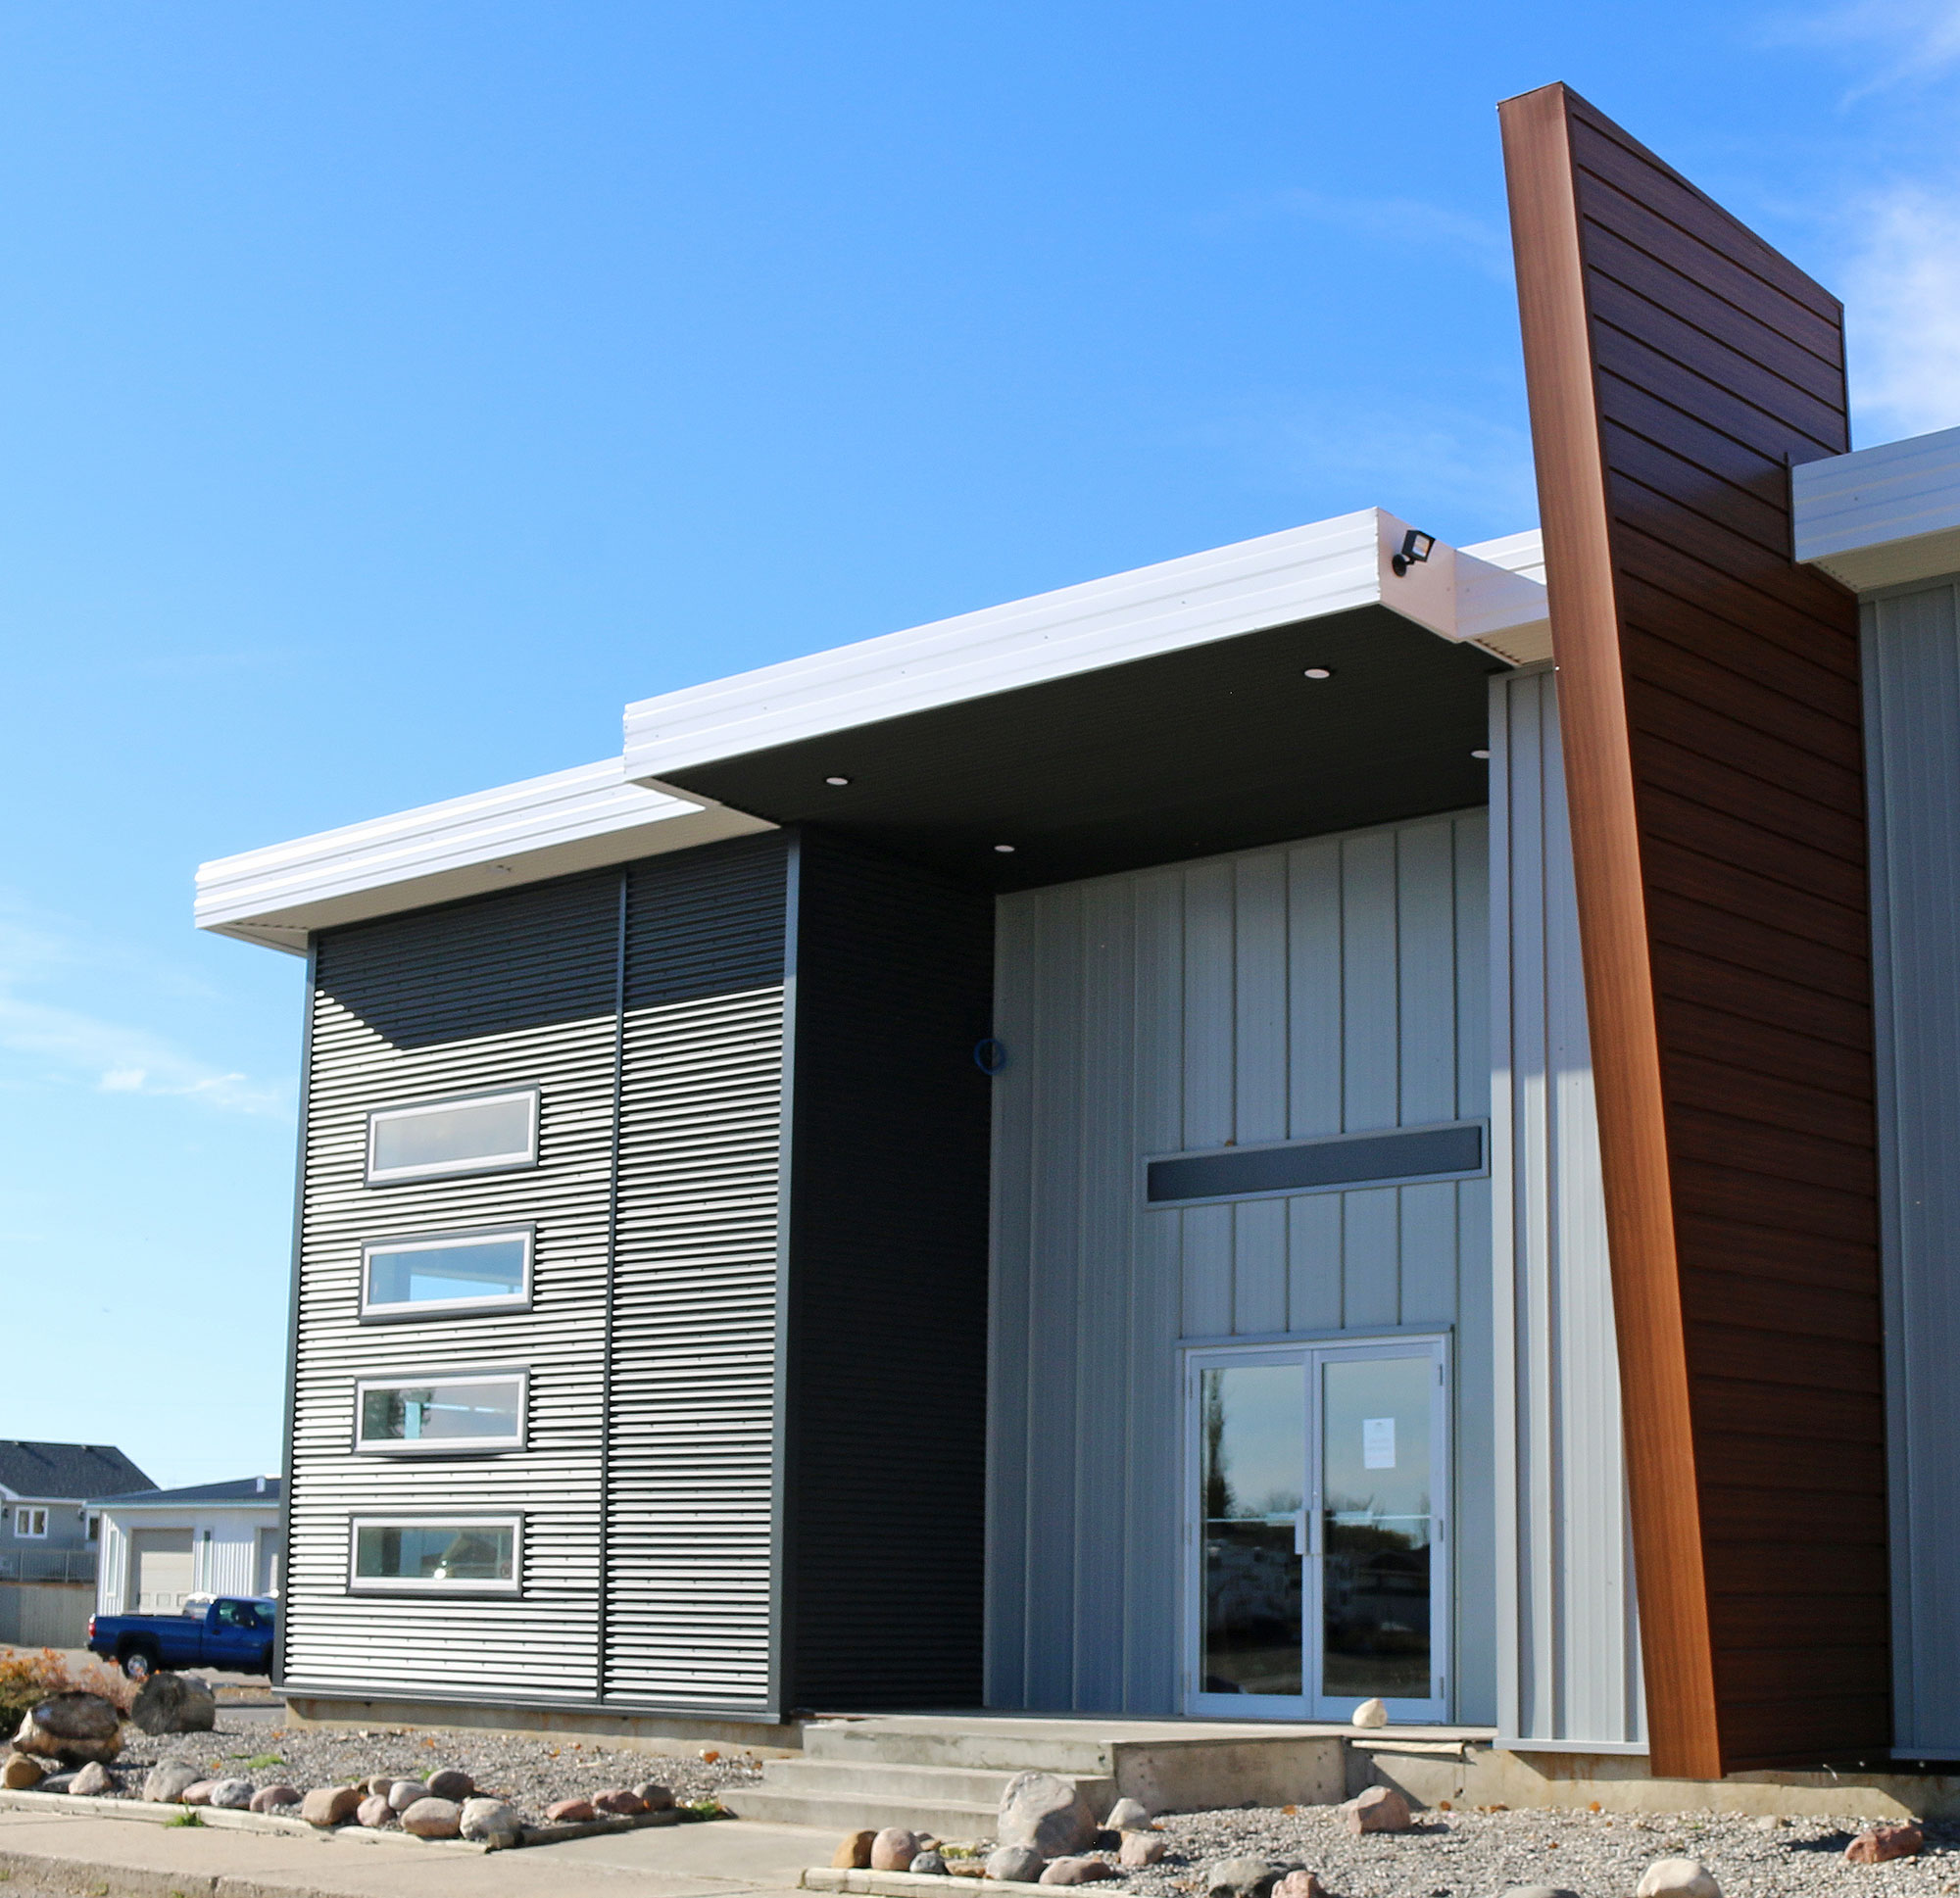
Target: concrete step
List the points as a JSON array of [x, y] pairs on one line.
[[961, 1786], [1001, 1745], [868, 1809]]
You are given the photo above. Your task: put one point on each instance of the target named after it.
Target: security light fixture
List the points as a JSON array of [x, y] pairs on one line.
[[1005, 850], [837, 781], [1319, 672], [1415, 550]]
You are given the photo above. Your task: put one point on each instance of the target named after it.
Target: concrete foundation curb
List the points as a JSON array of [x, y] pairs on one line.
[[902, 1884]]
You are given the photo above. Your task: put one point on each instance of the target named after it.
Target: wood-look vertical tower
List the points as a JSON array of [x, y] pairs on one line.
[[1677, 367]]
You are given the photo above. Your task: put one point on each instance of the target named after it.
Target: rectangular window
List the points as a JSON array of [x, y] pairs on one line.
[[31, 1525], [478, 1556], [485, 1133], [440, 1414], [412, 1278]]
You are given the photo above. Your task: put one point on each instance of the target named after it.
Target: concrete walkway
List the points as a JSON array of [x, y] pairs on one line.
[[121, 1858]]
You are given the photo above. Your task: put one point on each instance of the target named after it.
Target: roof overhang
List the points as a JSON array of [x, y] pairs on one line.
[[1881, 517]]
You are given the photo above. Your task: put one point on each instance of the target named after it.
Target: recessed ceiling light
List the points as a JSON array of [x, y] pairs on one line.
[[1319, 672], [1005, 850], [837, 780], [1480, 753]]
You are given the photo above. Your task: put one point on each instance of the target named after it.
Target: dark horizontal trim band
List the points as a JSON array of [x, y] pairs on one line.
[[1423, 1153]]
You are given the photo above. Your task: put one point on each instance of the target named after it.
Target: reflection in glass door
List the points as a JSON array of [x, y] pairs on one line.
[[1319, 1573]]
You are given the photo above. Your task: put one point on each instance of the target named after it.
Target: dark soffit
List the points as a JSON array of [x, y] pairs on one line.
[[1214, 747]]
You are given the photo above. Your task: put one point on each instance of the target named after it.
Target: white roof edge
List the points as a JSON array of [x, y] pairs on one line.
[[580, 819], [1881, 517], [1300, 573]]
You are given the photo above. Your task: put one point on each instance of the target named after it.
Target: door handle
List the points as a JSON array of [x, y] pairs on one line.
[[1300, 1532]]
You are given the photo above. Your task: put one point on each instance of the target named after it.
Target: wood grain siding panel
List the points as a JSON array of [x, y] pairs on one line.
[[1714, 760]]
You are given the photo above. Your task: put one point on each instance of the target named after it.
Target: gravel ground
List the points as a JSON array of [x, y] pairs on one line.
[[531, 1771], [1597, 1855]]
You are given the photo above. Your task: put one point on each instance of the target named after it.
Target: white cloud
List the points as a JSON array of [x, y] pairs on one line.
[[1902, 310], [1913, 42]]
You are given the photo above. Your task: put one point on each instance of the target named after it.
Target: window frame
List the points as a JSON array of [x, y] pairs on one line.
[[359, 1584], [403, 1313], [24, 1515], [513, 1162], [520, 1376]]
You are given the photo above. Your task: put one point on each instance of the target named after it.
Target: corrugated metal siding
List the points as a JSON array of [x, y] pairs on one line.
[[886, 1399], [1912, 709], [1568, 1643], [1319, 987]]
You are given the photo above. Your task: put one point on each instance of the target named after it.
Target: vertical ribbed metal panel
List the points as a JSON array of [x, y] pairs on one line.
[[690, 1518], [1912, 715], [515, 989], [1326, 987], [1568, 1645]]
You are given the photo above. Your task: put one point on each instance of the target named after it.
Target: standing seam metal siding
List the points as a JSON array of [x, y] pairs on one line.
[[1568, 1644], [1325, 987], [1912, 719]]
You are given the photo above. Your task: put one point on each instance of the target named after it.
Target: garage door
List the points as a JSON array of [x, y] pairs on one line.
[[160, 1570]]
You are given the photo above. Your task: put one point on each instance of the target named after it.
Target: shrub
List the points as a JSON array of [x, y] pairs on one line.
[[26, 1678]]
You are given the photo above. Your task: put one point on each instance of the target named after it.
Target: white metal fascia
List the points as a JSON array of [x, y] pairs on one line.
[[1881, 517], [1302, 573], [1507, 615], [491, 839]]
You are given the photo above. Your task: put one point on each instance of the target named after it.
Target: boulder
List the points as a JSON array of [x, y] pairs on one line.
[[271, 1798], [94, 1780], [167, 1780], [197, 1793], [327, 1806], [929, 1861], [618, 1802], [1140, 1849], [451, 1782], [381, 1785], [1128, 1816], [74, 1727], [232, 1795], [1370, 1712], [1241, 1879], [1678, 1878], [403, 1793], [21, 1771], [1048, 1812], [1017, 1864], [175, 1703], [570, 1812], [656, 1797], [1377, 1809], [1299, 1885], [1882, 1842], [374, 1812], [491, 1822], [433, 1818], [894, 1849], [854, 1853], [1076, 1871]]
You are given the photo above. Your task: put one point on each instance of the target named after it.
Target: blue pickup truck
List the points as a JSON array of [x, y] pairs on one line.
[[233, 1635]]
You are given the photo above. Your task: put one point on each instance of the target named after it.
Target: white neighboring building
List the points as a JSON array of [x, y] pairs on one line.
[[161, 1546]]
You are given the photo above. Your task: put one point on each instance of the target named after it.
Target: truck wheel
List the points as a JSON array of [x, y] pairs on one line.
[[140, 1663]]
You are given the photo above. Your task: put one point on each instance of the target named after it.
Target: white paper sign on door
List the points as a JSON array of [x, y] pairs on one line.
[[1378, 1442]]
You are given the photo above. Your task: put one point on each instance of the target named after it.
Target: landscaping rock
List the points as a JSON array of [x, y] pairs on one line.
[[657, 1797], [326, 1806], [620, 1803], [451, 1782], [491, 1822], [854, 1854], [21, 1771], [381, 1785], [428, 1817], [1140, 1849], [269, 1799], [1020, 1864], [1299, 1885], [929, 1861], [570, 1812], [1678, 1878], [1077, 1871], [1128, 1816], [94, 1780], [74, 1727], [1242, 1879], [374, 1811], [1883, 1842], [1382, 1808], [197, 1793], [1538, 1892], [403, 1793], [232, 1795], [1049, 1814], [167, 1780], [894, 1849], [1370, 1712], [175, 1703]]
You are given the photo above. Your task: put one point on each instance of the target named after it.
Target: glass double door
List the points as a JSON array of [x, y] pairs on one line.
[[1319, 1571]]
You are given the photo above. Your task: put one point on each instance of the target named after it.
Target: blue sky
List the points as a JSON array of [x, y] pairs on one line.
[[391, 392]]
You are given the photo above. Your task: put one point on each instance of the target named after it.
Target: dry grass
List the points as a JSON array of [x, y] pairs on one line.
[[27, 1676]]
